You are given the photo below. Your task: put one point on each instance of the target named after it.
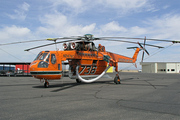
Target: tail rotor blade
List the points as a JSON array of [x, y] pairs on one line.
[[142, 56], [144, 49]]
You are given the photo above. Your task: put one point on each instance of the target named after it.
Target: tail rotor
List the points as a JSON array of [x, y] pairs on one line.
[[143, 48]]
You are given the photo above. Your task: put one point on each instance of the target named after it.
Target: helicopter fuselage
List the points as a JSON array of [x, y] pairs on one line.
[[86, 62], [51, 66]]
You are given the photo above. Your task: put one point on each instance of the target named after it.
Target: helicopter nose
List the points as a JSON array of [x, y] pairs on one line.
[[33, 66]]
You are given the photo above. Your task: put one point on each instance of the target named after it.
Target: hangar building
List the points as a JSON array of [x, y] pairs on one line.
[[160, 67]]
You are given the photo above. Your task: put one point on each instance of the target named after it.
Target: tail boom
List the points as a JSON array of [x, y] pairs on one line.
[[124, 59]]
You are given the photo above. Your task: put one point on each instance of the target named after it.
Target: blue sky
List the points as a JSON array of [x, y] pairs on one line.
[[38, 19]]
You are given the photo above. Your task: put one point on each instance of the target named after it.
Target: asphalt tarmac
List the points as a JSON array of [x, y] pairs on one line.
[[140, 96]]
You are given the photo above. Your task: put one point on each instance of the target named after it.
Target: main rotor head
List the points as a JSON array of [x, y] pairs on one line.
[[88, 37]]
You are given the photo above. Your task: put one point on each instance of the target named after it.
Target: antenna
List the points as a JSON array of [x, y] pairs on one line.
[[55, 45]]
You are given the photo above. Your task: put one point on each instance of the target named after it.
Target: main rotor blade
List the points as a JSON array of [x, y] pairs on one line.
[[132, 42], [48, 39], [22, 42], [65, 38], [47, 45], [173, 41]]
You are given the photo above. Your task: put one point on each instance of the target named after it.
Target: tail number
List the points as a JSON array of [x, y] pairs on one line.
[[88, 69]]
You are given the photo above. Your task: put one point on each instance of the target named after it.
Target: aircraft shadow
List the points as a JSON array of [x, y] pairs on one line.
[[65, 86], [68, 85]]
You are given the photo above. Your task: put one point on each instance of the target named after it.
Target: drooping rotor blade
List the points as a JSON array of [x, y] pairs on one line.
[[132, 42], [173, 41], [39, 46], [47, 45], [132, 47]]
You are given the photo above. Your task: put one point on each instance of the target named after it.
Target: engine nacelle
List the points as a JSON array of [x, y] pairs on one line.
[[65, 46], [74, 45]]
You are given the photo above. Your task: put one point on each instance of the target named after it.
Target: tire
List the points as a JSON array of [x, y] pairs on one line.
[[46, 84], [78, 81], [116, 80]]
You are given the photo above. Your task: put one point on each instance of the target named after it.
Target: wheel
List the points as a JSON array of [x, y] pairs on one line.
[[46, 84], [78, 81], [116, 80]]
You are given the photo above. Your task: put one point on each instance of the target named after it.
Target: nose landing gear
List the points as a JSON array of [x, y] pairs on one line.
[[46, 84]]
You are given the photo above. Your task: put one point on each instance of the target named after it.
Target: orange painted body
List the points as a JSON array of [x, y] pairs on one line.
[[50, 72], [48, 64]]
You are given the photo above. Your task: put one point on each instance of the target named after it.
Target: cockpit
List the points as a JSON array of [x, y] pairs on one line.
[[44, 57]]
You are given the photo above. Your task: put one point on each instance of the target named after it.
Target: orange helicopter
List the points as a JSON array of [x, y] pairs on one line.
[[86, 62]]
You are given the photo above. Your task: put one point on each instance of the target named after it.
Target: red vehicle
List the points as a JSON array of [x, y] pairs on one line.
[[22, 68]]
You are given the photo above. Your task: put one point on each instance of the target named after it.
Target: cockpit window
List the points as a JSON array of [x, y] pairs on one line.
[[43, 56], [47, 58], [53, 58], [38, 56]]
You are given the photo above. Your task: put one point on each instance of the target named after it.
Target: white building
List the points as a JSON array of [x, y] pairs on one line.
[[160, 67]]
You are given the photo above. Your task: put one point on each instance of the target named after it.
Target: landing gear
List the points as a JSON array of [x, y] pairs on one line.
[[46, 84], [78, 81], [117, 79]]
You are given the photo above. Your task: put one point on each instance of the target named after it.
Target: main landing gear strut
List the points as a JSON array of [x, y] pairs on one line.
[[117, 79]]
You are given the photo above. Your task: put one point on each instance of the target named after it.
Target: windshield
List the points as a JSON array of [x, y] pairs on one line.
[[43, 56], [37, 57]]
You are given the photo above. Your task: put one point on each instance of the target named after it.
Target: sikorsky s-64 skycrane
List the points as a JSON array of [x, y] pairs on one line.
[[86, 62]]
